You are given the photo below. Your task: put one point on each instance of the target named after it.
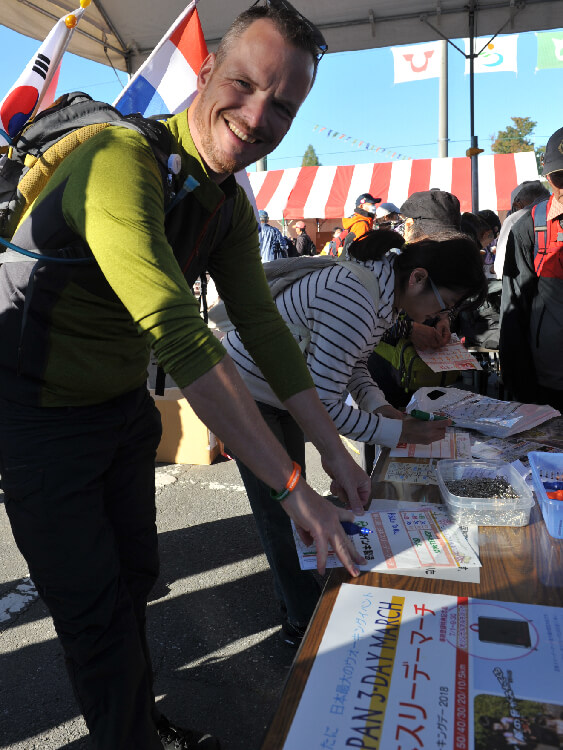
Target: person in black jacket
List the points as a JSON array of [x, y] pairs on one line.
[[304, 244], [531, 328]]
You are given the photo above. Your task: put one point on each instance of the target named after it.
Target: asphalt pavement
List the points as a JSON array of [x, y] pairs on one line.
[[213, 622]]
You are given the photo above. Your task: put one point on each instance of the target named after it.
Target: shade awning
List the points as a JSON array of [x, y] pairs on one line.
[[331, 192], [126, 31]]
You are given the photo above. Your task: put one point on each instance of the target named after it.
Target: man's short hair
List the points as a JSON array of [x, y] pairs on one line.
[[292, 28], [528, 192]]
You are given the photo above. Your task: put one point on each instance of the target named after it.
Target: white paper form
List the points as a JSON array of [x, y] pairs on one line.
[[409, 472], [470, 533], [407, 539], [507, 450], [456, 444], [452, 356], [488, 415], [406, 669]]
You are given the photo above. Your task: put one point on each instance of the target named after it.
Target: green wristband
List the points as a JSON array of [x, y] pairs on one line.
[[279, 495]]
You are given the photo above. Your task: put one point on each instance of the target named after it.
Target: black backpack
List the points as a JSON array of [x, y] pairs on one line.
[[291, 249], [44, 143], [350, 237], [50, 137], [312, 247], [56, 132]]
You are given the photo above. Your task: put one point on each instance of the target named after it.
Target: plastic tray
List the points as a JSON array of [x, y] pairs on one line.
[[547, 467], [485, 511]]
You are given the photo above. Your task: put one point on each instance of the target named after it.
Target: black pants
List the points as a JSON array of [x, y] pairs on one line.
[[79, 489]]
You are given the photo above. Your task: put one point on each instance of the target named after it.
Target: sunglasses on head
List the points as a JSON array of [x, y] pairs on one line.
[[316, 35]]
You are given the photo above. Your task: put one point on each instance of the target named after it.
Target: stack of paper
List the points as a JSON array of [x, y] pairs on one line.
[[452, 356], [488, 415], [408, 538], [455, 444]]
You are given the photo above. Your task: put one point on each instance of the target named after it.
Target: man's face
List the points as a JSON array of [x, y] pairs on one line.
[[246, 105]]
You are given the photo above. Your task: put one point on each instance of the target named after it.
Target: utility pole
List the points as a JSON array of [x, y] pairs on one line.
[[443, 102]]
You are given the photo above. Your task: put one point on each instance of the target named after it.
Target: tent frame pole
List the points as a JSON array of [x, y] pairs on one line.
[[472, 56], [473, 137]]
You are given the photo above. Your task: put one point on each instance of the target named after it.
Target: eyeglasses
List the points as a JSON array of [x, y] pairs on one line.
[[443, 307], [316, 36]]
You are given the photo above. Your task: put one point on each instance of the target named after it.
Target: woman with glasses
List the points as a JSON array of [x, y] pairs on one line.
[[344, 321]]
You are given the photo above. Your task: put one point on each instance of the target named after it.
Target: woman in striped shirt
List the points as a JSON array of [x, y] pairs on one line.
[[339, 321]]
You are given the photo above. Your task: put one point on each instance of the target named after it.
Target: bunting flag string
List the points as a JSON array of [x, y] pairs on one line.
[[330, 133]]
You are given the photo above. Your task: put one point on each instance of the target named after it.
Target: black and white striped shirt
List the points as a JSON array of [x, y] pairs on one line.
[[345, 325]]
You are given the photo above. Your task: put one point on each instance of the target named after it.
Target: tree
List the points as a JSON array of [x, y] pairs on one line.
[[310, 158], [514, 139]]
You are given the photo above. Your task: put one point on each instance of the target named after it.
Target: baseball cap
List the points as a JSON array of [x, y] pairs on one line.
[[366, 198], [263, 215], [300, 225], [385, 209], [433, 205], [553, 159]]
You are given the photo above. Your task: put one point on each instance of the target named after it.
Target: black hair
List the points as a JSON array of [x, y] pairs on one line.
[[293, 29], [473, 225], [491, 218], [423, 229], [530, 193], [375, 244], [453, 263]]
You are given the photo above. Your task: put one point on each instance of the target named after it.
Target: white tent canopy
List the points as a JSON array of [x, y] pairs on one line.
[[126, 31], [331, 192]]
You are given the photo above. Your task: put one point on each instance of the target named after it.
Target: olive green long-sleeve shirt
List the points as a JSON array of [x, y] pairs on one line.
[[88, 330]]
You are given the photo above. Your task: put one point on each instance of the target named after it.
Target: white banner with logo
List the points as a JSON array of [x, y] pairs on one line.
[[496, 56], [417, 61]]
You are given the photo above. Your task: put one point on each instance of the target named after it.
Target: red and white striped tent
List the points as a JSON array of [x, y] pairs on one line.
[[331, 192]]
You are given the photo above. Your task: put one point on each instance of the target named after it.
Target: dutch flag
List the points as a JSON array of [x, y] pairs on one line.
[[166, 83]]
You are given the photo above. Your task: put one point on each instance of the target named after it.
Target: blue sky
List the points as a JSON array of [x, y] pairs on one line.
[[354, 94]]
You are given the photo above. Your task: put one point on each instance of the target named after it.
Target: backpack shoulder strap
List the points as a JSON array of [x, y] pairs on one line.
[[279, 274], [282, 273], [539, 217], [366, 277]]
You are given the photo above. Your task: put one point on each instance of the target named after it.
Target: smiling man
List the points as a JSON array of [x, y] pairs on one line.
[[248, 96], [78, 430]]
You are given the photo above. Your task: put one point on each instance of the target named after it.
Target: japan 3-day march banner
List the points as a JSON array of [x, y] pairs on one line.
[[404, 670]]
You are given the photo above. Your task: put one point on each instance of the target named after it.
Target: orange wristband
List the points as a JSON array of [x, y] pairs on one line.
[[294, 478], [290, 484]]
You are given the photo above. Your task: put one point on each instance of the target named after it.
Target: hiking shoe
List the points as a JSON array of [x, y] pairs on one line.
[[175, 738], [292, 635]]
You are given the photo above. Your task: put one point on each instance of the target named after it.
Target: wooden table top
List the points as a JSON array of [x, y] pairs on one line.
[[518, 565]]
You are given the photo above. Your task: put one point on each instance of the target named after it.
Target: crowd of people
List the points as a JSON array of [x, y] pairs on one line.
[[78, 429]]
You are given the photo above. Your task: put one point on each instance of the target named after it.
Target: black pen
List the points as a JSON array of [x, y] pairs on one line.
[[352, 528]]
